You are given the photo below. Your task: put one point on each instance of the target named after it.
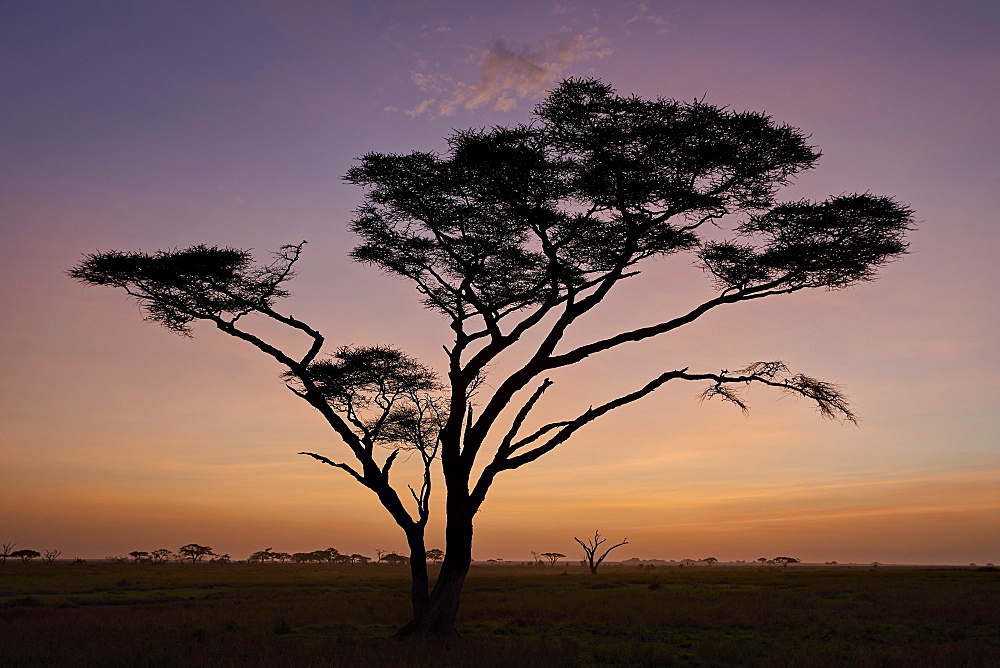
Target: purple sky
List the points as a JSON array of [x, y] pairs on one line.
[[165, 124]]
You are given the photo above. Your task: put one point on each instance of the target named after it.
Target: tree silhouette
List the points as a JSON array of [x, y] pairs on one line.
[[590, 550], [513, 236], [262, 556], [161, 555], [195, 552], [51, 555], [553, 557], [6, 550], [435, 555], [394, 559], [25, 555], [784, 561]]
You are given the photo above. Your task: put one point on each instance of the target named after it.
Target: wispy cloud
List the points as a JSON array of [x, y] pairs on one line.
[[643, 16], [508, 72]]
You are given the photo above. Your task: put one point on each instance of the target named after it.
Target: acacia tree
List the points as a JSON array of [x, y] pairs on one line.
[[590, 550], [194, 552], [784, 561], [6, 550], [526, 230], [26, 555], [160, 555], [262, 556], [553, 557]]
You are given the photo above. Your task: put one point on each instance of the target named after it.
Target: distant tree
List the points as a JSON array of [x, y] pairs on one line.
[[195, 552], [221, 559], [515, 236], [591, 546], [51, 555], [161, 555], [282, 557], [394, 559], [710, 560], [435, 555], [6, 550], [25, 555], [332, 554], [761, 560], [784, 561], [553, 557], [139, 555], [360, 559], [261, 556]]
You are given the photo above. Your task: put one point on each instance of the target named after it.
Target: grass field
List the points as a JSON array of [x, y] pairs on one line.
[[103, 614]]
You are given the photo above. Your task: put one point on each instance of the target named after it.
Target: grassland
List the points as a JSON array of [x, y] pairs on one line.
[[102, 614]]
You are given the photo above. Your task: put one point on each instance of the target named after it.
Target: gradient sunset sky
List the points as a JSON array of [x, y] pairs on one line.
[[151, 125]]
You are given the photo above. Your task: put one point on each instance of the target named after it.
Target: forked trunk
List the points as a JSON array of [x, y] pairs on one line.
[[437, 618]]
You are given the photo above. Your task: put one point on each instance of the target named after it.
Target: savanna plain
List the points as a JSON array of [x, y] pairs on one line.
[[107, 614]]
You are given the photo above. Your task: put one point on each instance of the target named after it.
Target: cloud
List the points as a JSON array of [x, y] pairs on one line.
[[508, 72], [659, 24]]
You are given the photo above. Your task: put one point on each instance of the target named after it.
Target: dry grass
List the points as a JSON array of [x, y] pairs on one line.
[[317, 615]]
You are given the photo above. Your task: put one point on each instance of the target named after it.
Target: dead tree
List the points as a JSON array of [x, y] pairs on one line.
[[590, 549]]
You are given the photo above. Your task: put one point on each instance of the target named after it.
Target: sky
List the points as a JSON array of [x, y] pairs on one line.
[[161, 125]]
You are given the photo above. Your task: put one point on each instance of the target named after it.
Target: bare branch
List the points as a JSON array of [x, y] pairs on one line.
[[587, 417], [330, 462], [522, 414], [388, 463]]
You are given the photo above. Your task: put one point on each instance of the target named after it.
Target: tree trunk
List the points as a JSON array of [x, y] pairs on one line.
[[420, 584], [437, 618]]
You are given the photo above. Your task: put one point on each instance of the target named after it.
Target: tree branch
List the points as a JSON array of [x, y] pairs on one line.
[[357, 476]]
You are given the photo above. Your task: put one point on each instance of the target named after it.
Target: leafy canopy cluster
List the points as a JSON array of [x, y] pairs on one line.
[[177, 287], [525, 216]]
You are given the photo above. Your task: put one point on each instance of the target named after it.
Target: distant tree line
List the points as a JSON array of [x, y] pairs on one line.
[[7, 551], [195, 553]]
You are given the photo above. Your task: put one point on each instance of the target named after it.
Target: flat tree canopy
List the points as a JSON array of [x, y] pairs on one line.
[[526, 229]]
